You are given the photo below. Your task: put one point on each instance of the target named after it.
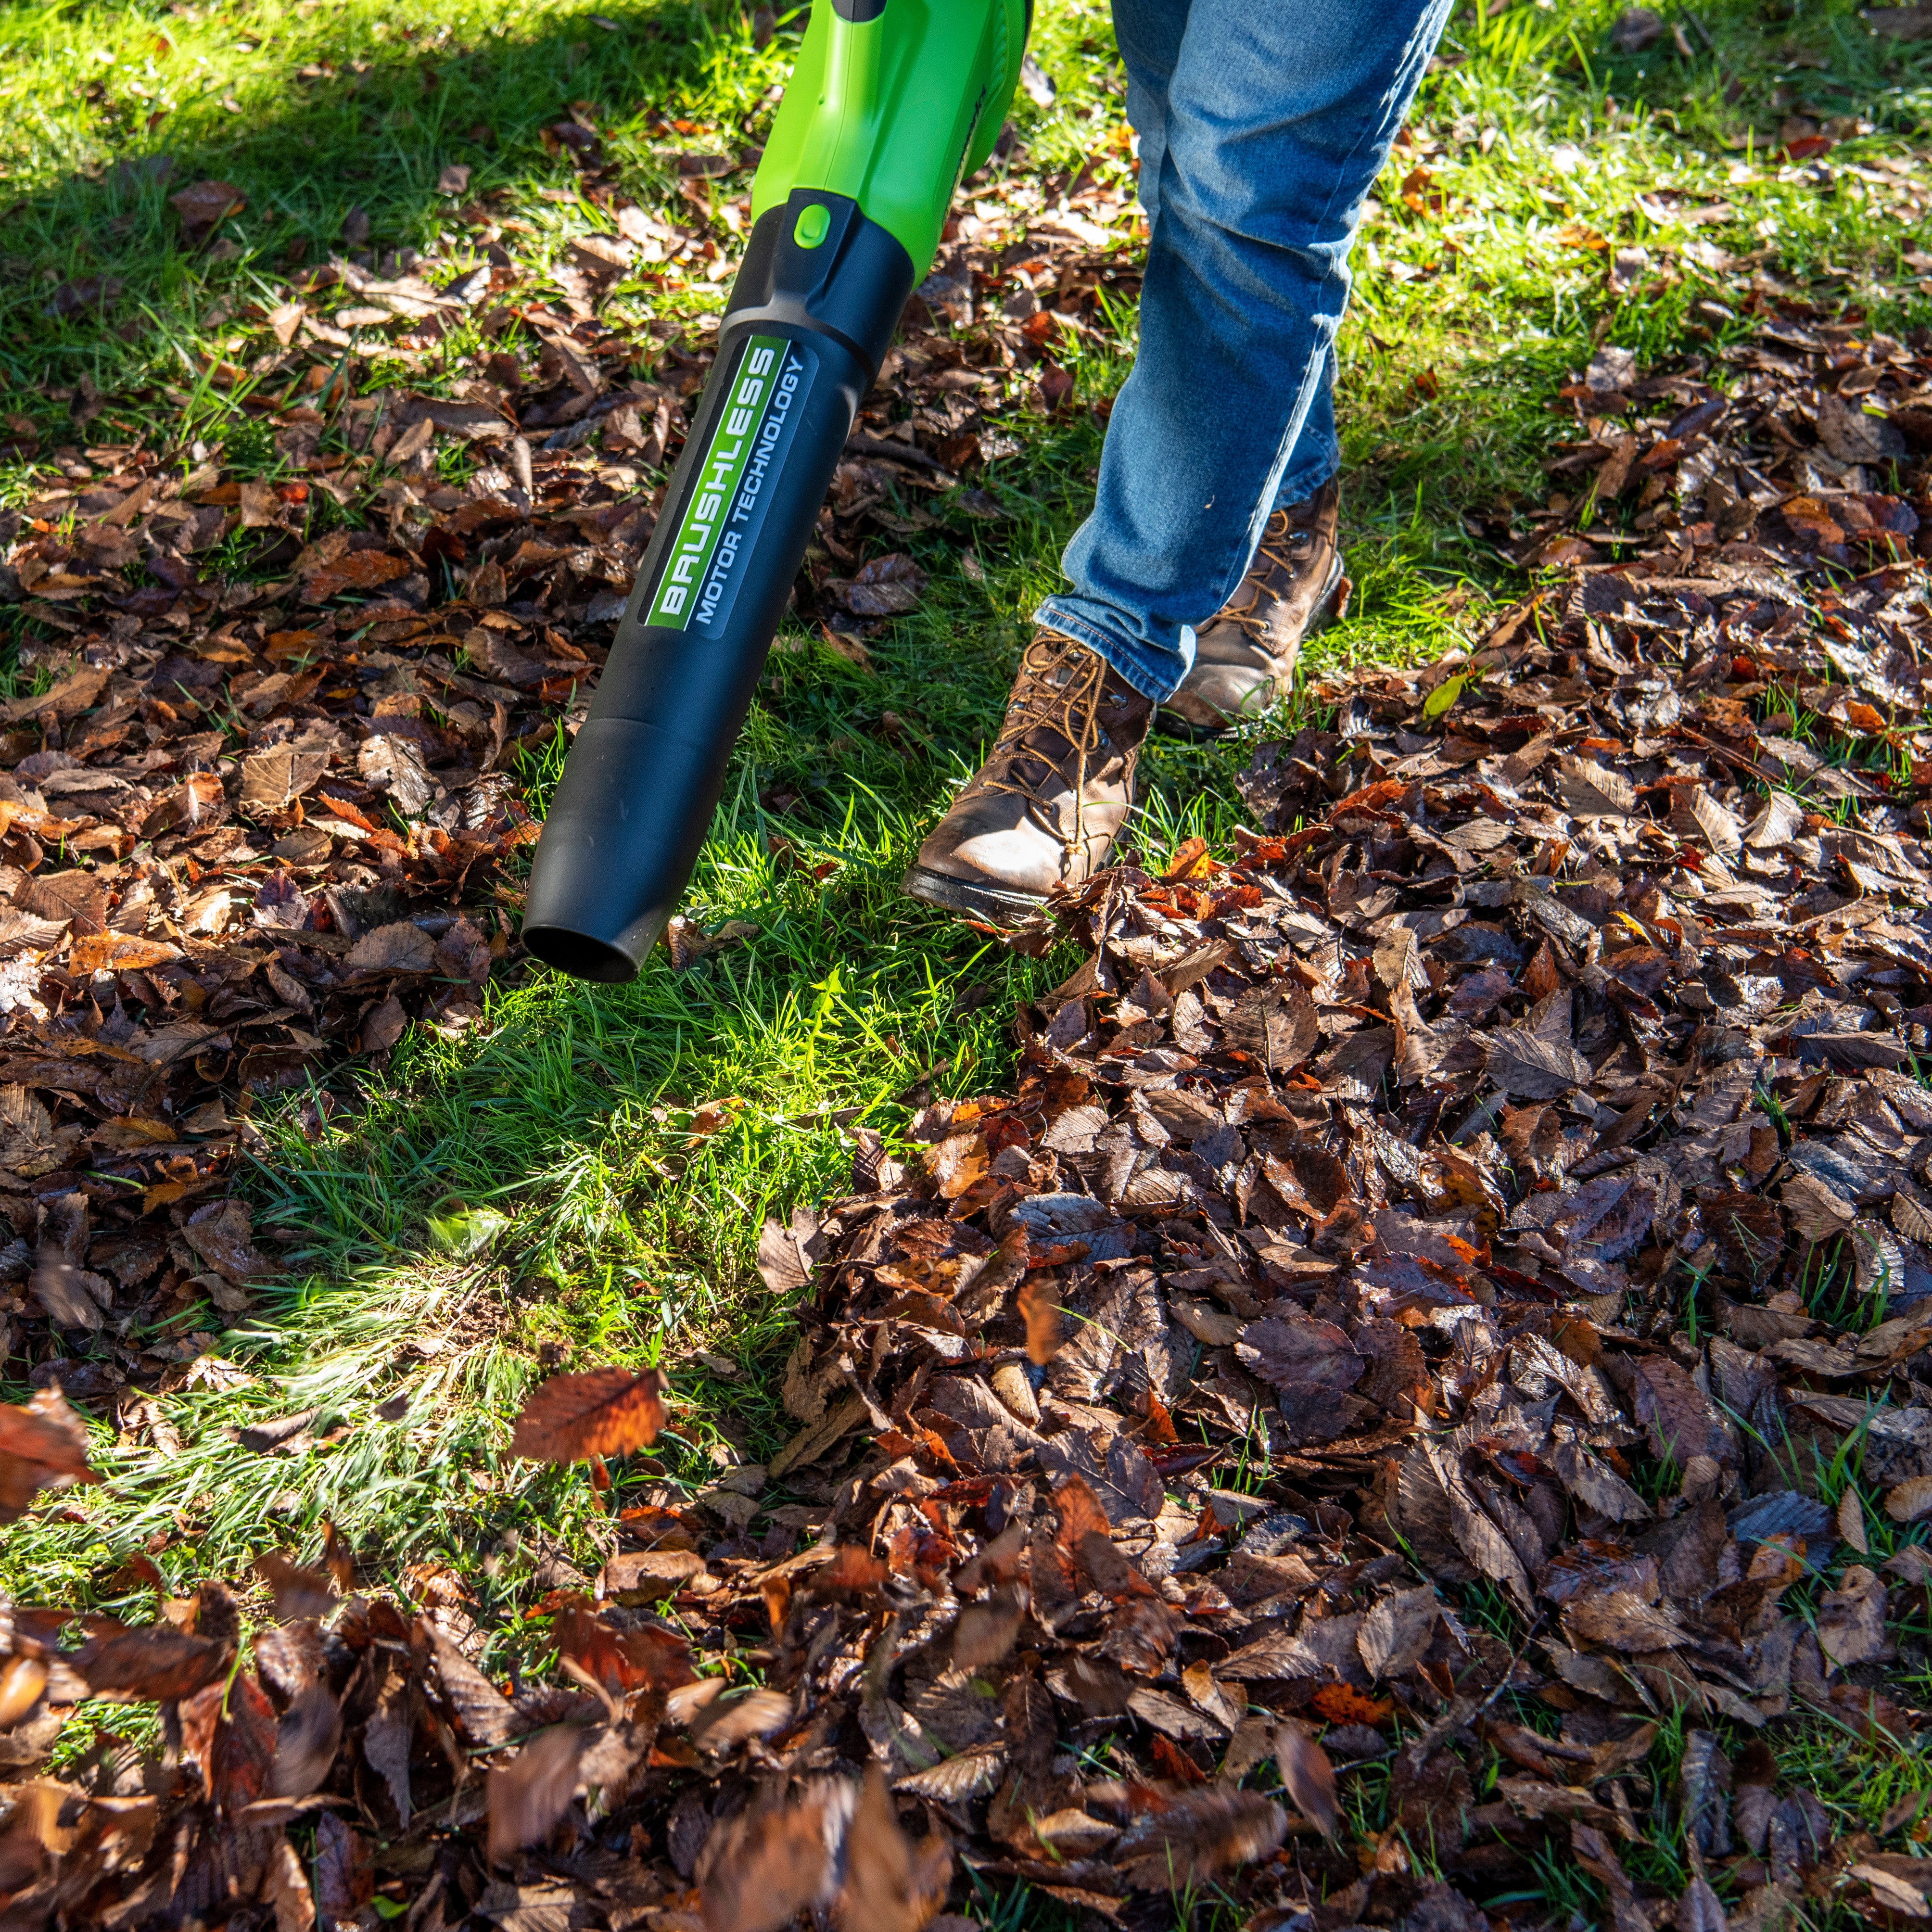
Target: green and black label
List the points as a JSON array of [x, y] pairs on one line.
[[704, 565]]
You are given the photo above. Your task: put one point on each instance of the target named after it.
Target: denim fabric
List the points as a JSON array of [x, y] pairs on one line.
[[1262, 127]]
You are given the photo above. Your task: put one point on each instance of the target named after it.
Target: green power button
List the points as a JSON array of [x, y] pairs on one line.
[[815, 223]]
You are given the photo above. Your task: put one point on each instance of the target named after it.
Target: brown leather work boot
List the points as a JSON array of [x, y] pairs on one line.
[[1244, 656], [1044, 808]]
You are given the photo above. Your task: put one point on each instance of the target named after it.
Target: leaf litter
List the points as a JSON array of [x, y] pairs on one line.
[[1412, 1315]]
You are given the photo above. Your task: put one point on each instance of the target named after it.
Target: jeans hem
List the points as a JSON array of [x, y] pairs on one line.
[[1297, 489], [1152, 674]]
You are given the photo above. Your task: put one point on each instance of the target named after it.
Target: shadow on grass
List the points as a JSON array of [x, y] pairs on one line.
[[99, 280]]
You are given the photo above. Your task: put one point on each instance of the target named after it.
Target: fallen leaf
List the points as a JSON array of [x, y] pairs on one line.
[[604, 1412], [1851, 1619], [528, 1795], [1308, 1778], [403, 947], [203, 206]]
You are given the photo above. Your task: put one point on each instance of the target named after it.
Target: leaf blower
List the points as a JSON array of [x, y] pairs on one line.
[[891, 103]]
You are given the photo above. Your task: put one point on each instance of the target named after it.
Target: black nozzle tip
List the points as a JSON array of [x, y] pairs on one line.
[[580, 955]]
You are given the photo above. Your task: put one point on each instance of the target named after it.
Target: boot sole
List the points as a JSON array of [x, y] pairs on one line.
[[961, 895], [1319, 619]]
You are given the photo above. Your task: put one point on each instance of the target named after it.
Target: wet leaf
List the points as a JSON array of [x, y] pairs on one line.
[[464, 1232]]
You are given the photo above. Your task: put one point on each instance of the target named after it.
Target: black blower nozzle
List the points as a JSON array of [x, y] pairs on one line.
[[810, 318]]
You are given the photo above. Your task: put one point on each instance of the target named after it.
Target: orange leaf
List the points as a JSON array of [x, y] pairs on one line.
[[360, 570], [606, 1412], [338, 1558], [1160, 1422], [43, 1444], [620, 1661], [97, 952], [1343, 1704], [851, 1568], [1190, 861], [1039, 1305]]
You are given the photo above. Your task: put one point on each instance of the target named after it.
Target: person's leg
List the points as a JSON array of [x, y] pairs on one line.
[[1259, 137], [1277, 120], [1149, 34], [1245, 655], [1317, 457]]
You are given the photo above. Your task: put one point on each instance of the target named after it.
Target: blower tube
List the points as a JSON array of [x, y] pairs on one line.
[[811, 316]]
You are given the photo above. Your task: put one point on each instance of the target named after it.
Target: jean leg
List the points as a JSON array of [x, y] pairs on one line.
[[1278, 120], [1149, 34], [1318, 449]]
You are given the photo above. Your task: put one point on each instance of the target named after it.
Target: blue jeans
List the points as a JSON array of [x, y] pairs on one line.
[[1261, 126]]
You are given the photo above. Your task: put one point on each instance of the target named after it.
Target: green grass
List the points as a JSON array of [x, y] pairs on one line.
[[570, 1111]]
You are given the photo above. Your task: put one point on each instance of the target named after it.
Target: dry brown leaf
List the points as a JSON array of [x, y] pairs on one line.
[[760, 1869], [529, 1794], [1307, 1777], [986, 1632], [402, 947], [42, 1446], [892, 1884], [307, 1737], [1193, 1837], [156, 1663], [1851, 1619], [602, 1412], [729, 1721], [298, 1592]]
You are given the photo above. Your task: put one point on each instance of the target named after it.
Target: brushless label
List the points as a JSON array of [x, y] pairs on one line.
[[740, 468]]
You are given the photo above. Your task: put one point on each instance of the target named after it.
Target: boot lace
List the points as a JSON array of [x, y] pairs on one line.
[[1060, 690], [1245, 609]]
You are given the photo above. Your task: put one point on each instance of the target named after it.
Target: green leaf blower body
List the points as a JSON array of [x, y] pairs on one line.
[[890, 103]]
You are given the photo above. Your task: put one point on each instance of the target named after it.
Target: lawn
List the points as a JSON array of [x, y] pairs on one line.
[[582, 1176]]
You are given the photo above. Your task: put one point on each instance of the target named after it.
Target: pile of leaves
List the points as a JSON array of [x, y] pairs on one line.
[[1807, 440]]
